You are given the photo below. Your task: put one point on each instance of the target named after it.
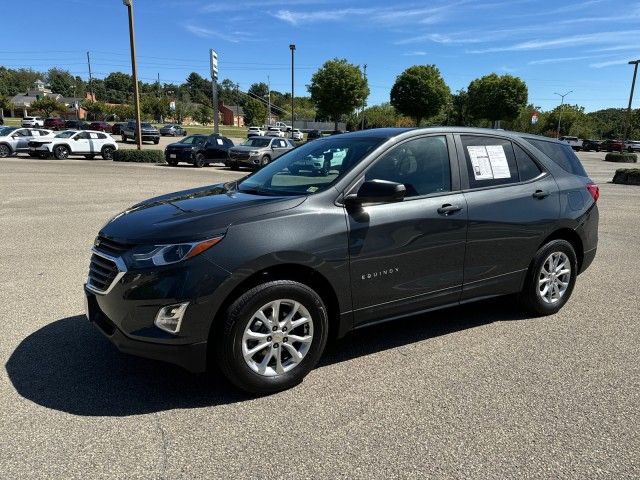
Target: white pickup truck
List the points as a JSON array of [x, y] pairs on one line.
[[574, 142]]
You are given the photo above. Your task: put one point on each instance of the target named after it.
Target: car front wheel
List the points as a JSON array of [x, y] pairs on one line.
[[272, 336], [61, 152], [551, 278], [107, 153], [199, 161], [4, 151]]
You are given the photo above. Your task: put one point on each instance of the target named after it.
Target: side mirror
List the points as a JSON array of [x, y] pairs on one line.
[[377, 191]]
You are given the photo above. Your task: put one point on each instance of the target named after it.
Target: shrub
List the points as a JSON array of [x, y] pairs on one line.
[[621, 157], [627, 176], [139, 156]]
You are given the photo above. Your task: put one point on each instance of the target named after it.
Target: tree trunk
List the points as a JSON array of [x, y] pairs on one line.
[[418, 120], [335, 125]]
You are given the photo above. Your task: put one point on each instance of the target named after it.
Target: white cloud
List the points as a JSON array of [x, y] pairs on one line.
[[546, 61], [610, 63], [296, 18], [569, 41], [416, 53], [204, 32]]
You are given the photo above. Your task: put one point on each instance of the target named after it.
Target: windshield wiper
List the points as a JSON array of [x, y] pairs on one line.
[[254, 191]]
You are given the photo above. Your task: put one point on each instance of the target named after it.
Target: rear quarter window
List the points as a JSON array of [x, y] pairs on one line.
[[561, 154]]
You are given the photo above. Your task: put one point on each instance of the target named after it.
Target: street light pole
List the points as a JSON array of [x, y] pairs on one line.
[[134, 71], [561, 105], [293, 49], [364, 101], [633, 85]]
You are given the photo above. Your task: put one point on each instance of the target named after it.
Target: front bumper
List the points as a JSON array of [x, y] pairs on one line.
[[181, 155]]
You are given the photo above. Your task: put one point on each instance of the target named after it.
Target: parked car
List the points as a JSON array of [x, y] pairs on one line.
[[274, 132], [257, 273], [15, 140], [313, 134], [574, 142], [149, 132], [87, 143], [296, 135], [255, 132], [172, 130], [589, 144], [33, 122], [632, 146], [322, 163], [611, 145], [116, 128], [100, 127], [198, 150], [54, 123], [75, 125], [257, 152]]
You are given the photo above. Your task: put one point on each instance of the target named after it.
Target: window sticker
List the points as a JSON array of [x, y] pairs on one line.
[[219, 141], [93, 135], [312, 189], [488, 162]]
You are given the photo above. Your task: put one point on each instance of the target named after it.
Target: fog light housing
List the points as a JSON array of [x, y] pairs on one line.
[[169, 318]]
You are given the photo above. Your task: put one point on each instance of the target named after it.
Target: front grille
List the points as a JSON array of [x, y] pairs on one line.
[[111, 247], [102, 272], [239, 156]]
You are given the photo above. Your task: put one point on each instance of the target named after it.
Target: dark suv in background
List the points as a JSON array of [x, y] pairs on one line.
[[255, 274], [198, 150], [54, 123]]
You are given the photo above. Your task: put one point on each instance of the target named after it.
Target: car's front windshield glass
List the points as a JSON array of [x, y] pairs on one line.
[[257, 142], [310, 168], [65, 134], [146, 125], [190, 140], [6, 131]]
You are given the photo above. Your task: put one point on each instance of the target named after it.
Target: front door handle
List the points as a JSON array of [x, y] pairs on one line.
[[540, 194], [447, 208]]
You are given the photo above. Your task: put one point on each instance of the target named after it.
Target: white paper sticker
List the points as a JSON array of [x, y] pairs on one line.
[[480, 162], [93, 135], [220, 142], [498, 160]]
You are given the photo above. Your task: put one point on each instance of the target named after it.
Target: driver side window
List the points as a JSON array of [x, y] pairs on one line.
[[422, 165]]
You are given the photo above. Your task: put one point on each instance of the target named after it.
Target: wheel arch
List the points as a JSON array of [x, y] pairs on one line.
[[570, 236]]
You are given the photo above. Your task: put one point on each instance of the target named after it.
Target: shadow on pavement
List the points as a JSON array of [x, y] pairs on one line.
[[69, 366]]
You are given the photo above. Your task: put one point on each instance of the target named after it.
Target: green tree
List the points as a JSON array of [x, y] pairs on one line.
[[48, 105], [199, 88], [260, 90], [154, 107], [95, 110], [60, 81], [5, 105], [574, 121], [254, 112], [203, 114], [496, 97], [337, 89], [122, 111], [420, 92]]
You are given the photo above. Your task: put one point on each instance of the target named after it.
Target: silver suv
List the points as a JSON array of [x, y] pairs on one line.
[[257, 152]]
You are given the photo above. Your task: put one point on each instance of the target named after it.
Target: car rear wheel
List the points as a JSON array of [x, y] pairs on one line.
[[272, 336], [124, 138], [107, 152], [550, 279], [199, 161], [61, 152], [5, 151], [156, 141]]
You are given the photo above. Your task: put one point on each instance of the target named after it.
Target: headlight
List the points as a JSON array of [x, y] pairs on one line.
[[157, 255], [254, 152]]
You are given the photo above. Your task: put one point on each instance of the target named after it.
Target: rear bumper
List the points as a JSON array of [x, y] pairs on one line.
[[191, 357]]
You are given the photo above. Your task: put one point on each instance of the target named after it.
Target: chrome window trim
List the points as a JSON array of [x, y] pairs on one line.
[[120, 265]]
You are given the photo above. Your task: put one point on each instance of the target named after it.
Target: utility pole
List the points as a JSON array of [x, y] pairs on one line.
[[561, 106], [134, 72], [269, 102], [292, 47], [214, 88], [364, 100], [90, 76], [633, 85], [238, 104]]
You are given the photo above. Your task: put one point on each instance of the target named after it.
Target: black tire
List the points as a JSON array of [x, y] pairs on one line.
[[234, 166], [124, 139], [530, 297], [107, 152], [156, 141], [61, 152], [265, 160], [89, 157], [199, 161], [240, 313], [5, 151]]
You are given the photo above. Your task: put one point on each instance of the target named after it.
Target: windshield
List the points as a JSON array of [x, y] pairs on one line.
[[6, 131], [311, 168], [190, 140], [257, 142], [65, 134]]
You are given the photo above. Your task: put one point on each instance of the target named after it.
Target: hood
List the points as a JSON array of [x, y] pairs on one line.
[[190, 215], [245, 148], [179, 145]]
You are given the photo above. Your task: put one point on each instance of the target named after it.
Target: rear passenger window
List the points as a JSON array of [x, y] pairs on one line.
[[101, 136], [422, 165], [561, 153], [527, 168], [490, 161]]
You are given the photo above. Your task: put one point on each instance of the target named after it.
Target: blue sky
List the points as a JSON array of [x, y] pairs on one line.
[[554, 46]]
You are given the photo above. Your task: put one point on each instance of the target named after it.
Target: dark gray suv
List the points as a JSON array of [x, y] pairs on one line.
[[256, 274]]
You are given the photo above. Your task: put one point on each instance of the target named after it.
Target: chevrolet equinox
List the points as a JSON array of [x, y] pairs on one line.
[[256, 274]]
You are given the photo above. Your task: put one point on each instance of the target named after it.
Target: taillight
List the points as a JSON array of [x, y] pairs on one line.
[[594, 190]]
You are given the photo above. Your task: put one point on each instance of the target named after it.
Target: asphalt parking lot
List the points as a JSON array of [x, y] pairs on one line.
[[475, 392]]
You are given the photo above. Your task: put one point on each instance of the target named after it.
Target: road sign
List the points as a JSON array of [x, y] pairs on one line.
[[214, 64], [534, 118], [172, 105]]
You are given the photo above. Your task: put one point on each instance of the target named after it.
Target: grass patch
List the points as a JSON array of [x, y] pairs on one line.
[[139, 156], [627, 176]]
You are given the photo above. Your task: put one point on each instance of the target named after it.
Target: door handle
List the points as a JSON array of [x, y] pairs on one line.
[[447, 208], [540, 194]]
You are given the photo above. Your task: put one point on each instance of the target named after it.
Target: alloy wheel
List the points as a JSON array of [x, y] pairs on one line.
[[554, 277], [4, 151], [277, 337]]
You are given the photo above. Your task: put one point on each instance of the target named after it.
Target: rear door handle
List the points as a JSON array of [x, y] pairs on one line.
[[540, 194], [447, 208]]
